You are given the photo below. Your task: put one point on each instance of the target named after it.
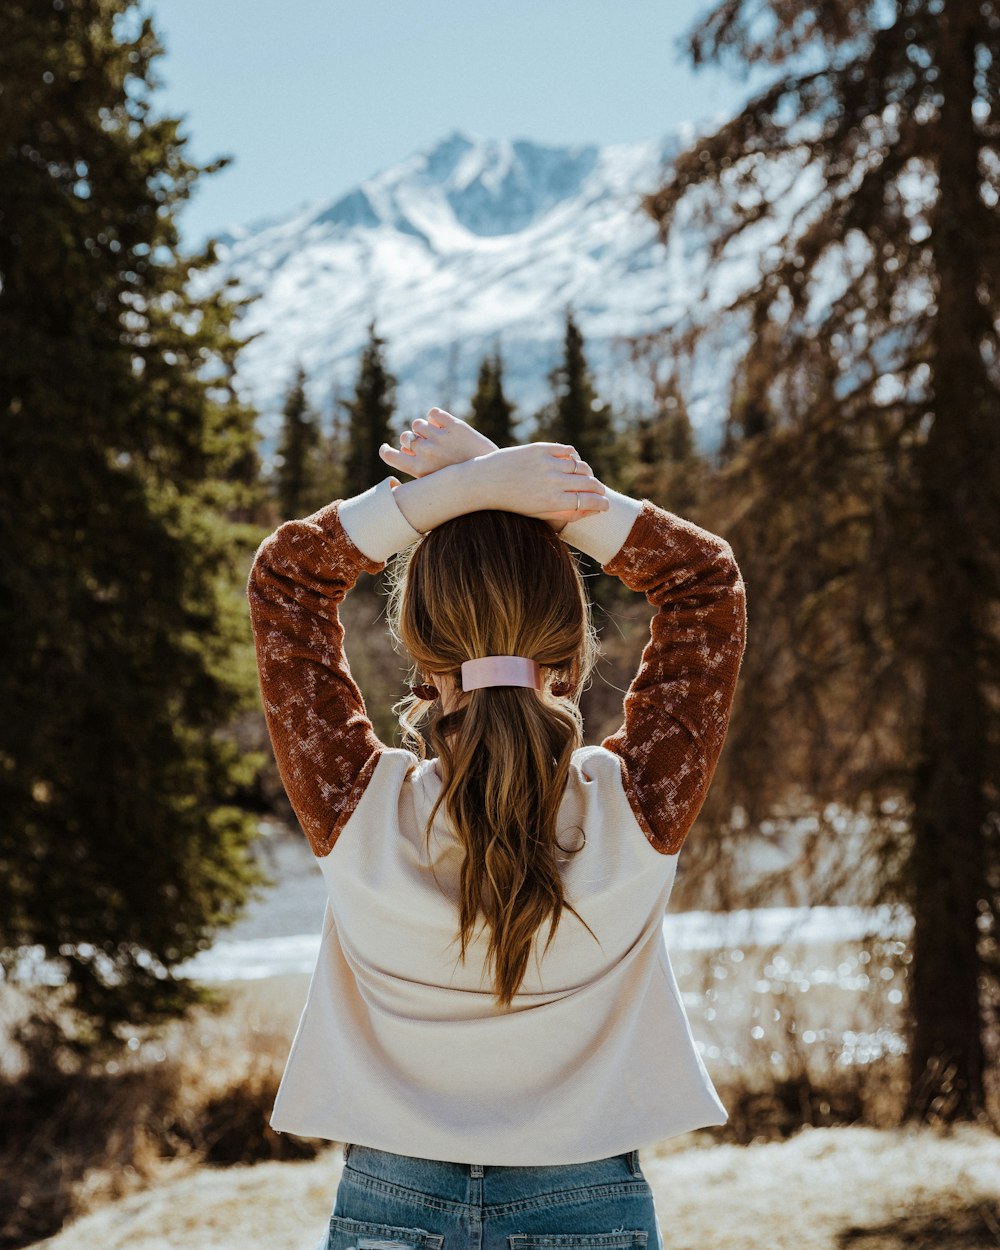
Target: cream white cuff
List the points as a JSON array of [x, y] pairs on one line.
[[603, 535], [375, 524]]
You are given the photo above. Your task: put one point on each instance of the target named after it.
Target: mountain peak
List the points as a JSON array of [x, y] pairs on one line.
[[441, 158], [490, 186], [465, 241]]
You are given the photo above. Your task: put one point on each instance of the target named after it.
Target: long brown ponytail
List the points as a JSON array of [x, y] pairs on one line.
[[497, 583]]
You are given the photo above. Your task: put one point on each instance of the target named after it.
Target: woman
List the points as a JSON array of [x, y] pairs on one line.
[[493, 1024]]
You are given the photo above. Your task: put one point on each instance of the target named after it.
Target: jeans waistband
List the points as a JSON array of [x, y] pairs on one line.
[[385, 1163]]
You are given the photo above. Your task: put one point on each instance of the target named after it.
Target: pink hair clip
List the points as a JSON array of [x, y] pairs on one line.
[[501, 670]]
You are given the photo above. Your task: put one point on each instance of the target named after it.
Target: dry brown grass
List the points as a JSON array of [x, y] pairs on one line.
[[823, 1189], [199, 1097], [200, 1092]]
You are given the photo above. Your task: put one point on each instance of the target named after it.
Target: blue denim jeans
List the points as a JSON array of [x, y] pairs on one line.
[[396, 1202]]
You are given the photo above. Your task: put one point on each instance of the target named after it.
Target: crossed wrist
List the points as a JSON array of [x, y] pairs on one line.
[[480, 486]]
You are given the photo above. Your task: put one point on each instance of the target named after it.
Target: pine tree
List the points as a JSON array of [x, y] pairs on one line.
[[666, 465], [331, 455], [370, 414], [298, 451], [492, 412], [124, 455], [575, 414], [862, 488]]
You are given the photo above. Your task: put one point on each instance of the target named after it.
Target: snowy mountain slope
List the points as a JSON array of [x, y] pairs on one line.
[[471, 243]]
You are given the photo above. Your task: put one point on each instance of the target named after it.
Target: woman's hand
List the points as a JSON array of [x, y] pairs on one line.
[[536, 480], [545, 480], [434, 442]]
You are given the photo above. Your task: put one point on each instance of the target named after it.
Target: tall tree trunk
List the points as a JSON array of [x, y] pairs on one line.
[[949, 816], [949, 869]]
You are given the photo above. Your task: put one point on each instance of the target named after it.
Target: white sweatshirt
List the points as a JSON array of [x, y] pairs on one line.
[[401, 1045]]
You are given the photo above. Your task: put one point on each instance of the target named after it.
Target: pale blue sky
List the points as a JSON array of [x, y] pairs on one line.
[[312, 96]]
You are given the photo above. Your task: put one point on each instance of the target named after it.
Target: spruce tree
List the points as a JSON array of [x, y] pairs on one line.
[[124, 454], [861, 491], [492, 412], [331, 455], [370, 414], [666, 465], [298, 451], [576, 415]]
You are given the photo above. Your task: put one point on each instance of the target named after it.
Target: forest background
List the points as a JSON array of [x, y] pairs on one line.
[[858, 482]]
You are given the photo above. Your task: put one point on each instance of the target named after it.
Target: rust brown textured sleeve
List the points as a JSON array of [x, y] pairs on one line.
[[677, 707], [323, 741]]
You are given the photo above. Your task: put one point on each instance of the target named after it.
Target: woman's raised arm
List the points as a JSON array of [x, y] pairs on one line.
[[535, 480], [522, 479], [678, 704], [324, 743], [323, 739]]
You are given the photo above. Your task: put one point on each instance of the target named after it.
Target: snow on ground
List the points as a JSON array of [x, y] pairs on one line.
[[253, 958]]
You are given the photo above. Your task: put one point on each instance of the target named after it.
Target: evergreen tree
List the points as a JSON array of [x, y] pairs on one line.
[[861, 492], [331, 455], [298, 451], [666, 464], [370, 414], [492, 412], [576, 415], [124, 455]]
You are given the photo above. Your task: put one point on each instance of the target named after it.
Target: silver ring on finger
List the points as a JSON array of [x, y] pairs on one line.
[[406, 438], [577, 509]]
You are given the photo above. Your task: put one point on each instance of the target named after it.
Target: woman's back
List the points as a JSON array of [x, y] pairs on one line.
[[395, 891], [404, 1042], [404, 1045]]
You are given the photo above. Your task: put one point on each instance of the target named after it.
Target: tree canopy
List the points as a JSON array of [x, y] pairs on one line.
[[492, 412], [576, 415], [861, 471], [298, 451], [125, 457], [369, 411]]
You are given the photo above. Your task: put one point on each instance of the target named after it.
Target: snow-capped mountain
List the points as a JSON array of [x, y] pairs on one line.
[[467, 245]]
